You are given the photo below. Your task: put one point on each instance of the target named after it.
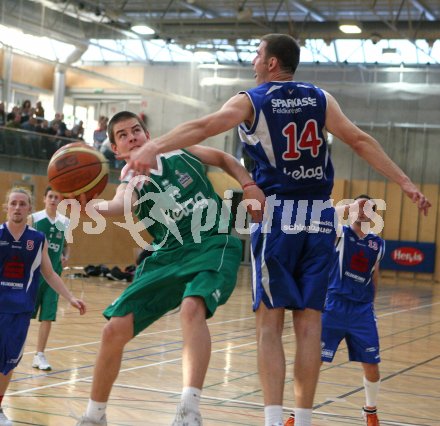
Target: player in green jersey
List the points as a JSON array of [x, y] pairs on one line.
[[51, 224], [194, 264]]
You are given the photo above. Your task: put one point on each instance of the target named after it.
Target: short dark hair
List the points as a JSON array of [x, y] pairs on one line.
[[366, 197], [48, 188], [285, 48], [120, 116]]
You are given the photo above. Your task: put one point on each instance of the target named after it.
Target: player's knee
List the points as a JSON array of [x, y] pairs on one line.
[[193, 309], [116, 333], [307, 324], [371, 372], [269, 331]]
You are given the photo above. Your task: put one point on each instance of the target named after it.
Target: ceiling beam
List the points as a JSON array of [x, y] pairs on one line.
[[423, 9], [309, 11]]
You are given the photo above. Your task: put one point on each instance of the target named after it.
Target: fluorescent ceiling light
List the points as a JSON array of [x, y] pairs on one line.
[[142, 29], [350, 28]]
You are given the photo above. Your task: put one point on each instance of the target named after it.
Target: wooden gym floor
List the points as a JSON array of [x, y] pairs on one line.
[[148, 387]]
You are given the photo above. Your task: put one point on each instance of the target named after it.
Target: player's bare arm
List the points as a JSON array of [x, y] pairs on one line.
[[233, 167], [115, 206], [54, 280], [234, 111], [370, 150], [375, 279]]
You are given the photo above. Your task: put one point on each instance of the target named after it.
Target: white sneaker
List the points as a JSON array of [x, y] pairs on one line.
[[185, 417], [85, 421], [40, 362], [4, 421]]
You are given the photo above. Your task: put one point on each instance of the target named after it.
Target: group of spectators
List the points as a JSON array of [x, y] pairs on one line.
[[31, 118]]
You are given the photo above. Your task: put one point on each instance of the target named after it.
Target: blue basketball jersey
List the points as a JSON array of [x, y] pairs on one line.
[[19, 269], [287, 140], [354, 264]]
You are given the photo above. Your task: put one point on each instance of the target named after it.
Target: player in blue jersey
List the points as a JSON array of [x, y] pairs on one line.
[[23, 254], [349, 308], [281, 125]]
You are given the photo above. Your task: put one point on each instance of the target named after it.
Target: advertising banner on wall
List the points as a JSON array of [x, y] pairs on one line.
[[409, 256]]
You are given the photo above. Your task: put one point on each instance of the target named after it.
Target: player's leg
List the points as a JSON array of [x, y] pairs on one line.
[[115, 335], [48, 305], [40, 360], [196, 354], [333, 331], [154, 291], [363, 346], [14, 328], [203, 294], [271, 361], [4, 383], [274, 255], [196, 341], [307, 325], [43, 335], [371, 386], [311, 273]]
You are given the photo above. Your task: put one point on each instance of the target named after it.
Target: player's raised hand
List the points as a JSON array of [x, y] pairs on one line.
[[423, 204]]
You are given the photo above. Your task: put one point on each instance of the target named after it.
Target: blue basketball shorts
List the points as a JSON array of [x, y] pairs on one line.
[[291, 252], [14, 328], [356, 323]]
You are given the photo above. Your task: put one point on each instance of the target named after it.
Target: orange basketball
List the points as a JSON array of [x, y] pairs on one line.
[[78, 169]]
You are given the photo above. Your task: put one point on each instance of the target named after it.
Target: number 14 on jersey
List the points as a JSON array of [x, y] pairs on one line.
[[308, 139]]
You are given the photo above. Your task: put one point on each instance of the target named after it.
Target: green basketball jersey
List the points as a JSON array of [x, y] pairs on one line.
[[178, 204], [54, 232]]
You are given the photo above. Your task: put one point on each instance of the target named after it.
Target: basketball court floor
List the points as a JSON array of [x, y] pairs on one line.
[[148, 387]]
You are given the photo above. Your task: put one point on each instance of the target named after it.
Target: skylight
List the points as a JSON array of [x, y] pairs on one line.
[[353, 51]]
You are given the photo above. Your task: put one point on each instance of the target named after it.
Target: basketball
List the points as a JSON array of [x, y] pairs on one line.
[[77, 169]]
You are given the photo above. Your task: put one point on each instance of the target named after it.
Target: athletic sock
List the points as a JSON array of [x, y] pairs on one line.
[[191, 398], [371, 392], [96, 410], [303, 416], [273, 414]]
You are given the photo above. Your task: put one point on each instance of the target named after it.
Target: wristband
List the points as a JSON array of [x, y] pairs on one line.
[[247, 185]]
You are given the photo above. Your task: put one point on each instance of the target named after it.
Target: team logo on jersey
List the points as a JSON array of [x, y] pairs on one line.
[[13, 268], [52, 229], [29, 244], [359, 262], [184, 179], [59, 235], [54, 247]]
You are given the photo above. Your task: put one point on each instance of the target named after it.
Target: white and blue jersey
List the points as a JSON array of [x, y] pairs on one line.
[[19, 269], [354, 264], [349, 309], [292, 163], [287, 141], [20, 262]]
